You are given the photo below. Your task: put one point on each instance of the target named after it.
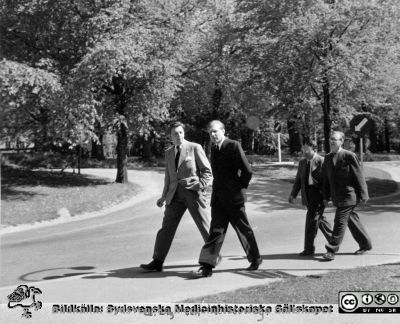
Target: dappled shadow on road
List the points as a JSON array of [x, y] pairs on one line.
[[268, 194], [270, 189], [56, 273], [138, 273]]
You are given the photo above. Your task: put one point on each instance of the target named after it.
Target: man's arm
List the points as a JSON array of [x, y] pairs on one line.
[[243, 165], [297, 183], [166, 178], [357, 174], [326, 190], [204, 168]]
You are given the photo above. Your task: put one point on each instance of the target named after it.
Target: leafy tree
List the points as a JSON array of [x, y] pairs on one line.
[[29, 103], [320, 51], [132, 73]]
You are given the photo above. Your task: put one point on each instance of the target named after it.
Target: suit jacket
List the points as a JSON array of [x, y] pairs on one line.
[[193, 173], [344, 182], [231, 171], [302, 178]]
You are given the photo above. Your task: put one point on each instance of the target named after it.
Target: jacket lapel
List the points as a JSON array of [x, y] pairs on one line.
[[338, 159], [223, 146]]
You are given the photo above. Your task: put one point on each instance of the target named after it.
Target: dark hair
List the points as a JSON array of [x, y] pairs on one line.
[[175, 125], [310, 143]]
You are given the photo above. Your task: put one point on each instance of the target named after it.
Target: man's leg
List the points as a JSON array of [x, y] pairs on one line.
[[358, 231], [311, 226], [196, 204], [240, 223], [211, 249], [341, 219], [323, 224], [172, 216]]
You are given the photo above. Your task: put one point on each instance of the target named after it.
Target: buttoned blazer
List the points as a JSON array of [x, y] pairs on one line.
[[193, 173], [231, 171], [344, 183]]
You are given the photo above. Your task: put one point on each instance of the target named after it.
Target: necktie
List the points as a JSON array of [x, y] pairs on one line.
[[178, 154]]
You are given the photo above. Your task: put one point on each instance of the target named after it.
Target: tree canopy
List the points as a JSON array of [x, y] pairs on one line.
[[72, 67]]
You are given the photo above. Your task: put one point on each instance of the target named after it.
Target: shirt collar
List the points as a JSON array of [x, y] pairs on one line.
[[340, 148], [313, 157], [220, 143]]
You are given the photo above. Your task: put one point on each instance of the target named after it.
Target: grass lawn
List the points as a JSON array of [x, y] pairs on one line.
[[315, 289], [31, 196]]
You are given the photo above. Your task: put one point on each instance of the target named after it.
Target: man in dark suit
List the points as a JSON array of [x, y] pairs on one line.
[[187, 174], [309, 181], [344, 183], [232, 174]]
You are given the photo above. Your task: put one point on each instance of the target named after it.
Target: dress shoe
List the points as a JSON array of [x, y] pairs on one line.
[[254, 265], [363, 250], [329, 256], [306, 253], [202, 272], [155, 265]]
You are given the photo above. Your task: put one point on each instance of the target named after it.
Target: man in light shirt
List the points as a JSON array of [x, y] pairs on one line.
[[309, 182]]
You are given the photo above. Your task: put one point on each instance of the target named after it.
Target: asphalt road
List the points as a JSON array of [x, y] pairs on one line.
[[125, 238], [96, 259]]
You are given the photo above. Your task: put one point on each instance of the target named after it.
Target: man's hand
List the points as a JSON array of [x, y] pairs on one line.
[[363, 201], [291, 199], [160, 202]]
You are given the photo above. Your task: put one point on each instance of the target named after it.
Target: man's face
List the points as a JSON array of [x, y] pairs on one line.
[[336, 142], [216, 133], [308, 152], [177, 135]]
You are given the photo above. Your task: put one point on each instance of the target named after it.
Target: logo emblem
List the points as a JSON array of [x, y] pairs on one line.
[[349, 302], [25, 297], [392, 299], [380, 299], [367, 299]]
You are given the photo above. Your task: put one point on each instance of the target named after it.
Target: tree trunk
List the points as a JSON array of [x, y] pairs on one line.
[[147, 144], [294, 137], [216, 100], [387, 136], [326, 108], [122, 154]]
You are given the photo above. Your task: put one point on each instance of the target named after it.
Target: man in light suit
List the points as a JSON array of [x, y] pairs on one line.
[[309, 181], [344, 183], [232, 174], [187, 174]]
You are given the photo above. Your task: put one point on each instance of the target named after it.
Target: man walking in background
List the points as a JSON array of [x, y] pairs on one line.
[[232, 174], [344, 183], [187, 174], [309, 181]]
